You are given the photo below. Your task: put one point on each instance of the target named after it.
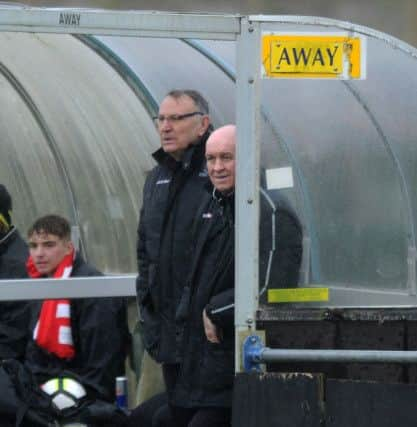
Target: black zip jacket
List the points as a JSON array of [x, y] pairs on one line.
[[100, 336], [14, 315], [171, 196], [13, 255], [207, 371]]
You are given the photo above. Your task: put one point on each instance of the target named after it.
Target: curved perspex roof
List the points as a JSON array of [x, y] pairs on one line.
[[77, 136]]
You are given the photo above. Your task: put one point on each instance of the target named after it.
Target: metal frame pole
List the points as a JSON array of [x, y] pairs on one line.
[[119, 23], [247, 180]]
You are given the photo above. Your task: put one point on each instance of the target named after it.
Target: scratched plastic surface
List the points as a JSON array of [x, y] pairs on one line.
[[75, 140], [350, 145]]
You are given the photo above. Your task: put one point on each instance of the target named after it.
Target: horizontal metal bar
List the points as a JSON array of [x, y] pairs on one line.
[[123, 23], [268, 355], [76, 287]]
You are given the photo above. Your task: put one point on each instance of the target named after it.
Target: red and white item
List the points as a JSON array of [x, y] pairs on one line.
[[53, 328]]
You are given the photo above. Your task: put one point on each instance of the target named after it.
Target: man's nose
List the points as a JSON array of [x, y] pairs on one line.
[[37, 252], [218, 165], [165, 125]]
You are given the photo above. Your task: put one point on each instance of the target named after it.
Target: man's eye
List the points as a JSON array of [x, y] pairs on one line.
[[173, 118]]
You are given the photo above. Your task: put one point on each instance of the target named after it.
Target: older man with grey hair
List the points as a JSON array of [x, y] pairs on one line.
[[171, 195]]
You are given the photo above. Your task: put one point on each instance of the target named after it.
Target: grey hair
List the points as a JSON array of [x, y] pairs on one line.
[[199, 100]]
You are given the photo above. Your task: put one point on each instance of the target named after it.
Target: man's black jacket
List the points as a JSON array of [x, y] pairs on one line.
[[14, 315], [207, 369], [207, 372], [171, 196], [13, 255]]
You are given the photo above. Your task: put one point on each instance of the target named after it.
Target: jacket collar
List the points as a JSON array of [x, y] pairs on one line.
[[192, 155], [221, 198], [216, 194]]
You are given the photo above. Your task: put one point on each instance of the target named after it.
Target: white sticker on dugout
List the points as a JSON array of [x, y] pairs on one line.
[[279, 178]]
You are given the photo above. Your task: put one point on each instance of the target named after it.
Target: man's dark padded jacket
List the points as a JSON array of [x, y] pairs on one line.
[[14, 315], [171, 196]]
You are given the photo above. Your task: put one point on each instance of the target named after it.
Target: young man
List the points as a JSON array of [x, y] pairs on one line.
[[14, 315], [85, 339], [172, 193]]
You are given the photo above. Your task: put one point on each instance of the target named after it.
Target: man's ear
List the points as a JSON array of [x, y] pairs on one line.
[[205, 123], [69, 246]]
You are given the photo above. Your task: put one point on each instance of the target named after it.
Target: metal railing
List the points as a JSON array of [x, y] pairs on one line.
[[75, 287], [255, 354]]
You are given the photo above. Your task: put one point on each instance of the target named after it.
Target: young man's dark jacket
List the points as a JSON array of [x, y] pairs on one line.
[[172, 193], [207, 371], [14, 315], [100, 338]]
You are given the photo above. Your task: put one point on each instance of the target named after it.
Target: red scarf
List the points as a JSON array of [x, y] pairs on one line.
[[53, 328]]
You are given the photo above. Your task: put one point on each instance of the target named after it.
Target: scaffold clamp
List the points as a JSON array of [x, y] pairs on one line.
[[252, 352]]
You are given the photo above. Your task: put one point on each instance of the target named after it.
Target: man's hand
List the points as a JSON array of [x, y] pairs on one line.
[[210, 329]]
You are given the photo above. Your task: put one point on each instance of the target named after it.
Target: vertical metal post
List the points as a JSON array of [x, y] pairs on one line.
[[247, 180]]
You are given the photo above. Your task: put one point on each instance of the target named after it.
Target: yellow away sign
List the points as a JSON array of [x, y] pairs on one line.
[[313, 56], [298, 295]]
